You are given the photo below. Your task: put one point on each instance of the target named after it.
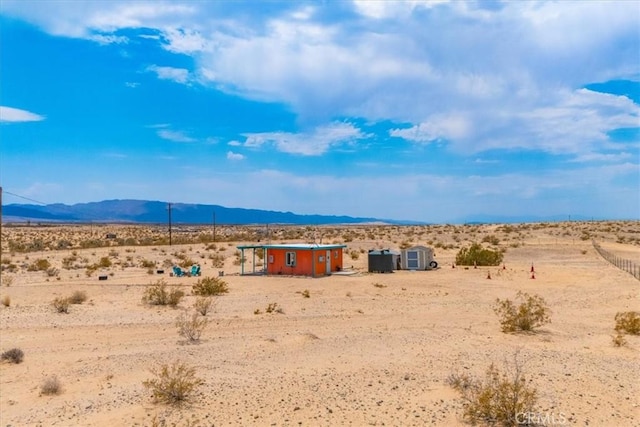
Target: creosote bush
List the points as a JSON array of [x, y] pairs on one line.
[[15, 355], [628, 322], [61, 305], [210, 286], [191, 327], [204, 305], [172, 383], [531, 313], [78, 297], [498, 398], [50, 386], [477, 255], [159, 294]]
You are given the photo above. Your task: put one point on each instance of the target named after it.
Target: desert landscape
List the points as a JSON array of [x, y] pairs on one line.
[[353, 349]]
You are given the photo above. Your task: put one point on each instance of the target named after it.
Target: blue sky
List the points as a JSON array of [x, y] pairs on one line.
[[433, 111]]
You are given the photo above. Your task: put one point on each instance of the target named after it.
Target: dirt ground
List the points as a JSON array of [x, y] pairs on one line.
[[362, 349]]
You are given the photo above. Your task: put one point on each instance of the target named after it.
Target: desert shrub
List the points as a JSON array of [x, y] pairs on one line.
[[6, 300], [210, 286], [172, 383], [7, 280], [217, 260], [51, 386], [491, 239], [191, 327], [147, 264], [306, 293], [61, 305], [159, 294], [274, 308], [498, 398], [78, 297], [619, 340], [531, 313], [354, 255], [39, 265], [628, 322], [476, 254], [203, 305], [15, 355], [104, 262]]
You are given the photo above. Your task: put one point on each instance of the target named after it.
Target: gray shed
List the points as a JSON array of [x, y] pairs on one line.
[[383, 261], [418, 258]]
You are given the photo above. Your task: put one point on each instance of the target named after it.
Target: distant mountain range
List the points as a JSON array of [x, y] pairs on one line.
[[144, 211]]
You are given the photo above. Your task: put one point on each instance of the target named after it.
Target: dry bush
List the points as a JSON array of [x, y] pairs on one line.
[[7, 280], [498, 398], [204, 305], [306, 293], [531, 313], [39, 265], [15, 355], [217, 260], [628, 322], [78, 297], [172, 383], [159, 294], [191, 327], [210, 286], [6, 300], [61, 305], [619, 340], [51, 386], [274, 308]]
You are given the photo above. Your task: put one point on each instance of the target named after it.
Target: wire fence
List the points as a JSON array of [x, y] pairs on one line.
[[622, 263]]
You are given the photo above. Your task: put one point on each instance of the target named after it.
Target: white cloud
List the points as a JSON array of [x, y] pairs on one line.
[[12, 115], [175, 136], [178, 75], [314, 143], [234, 156]]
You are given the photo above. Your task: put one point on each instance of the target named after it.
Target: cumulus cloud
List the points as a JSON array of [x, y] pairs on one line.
[[234, 156], [12, 115], [313, 143], [175, 136], [178, 75]]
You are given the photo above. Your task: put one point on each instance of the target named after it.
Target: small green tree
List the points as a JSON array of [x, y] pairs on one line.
[[477, 255]]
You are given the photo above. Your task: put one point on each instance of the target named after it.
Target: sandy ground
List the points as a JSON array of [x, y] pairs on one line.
[[363, 349]]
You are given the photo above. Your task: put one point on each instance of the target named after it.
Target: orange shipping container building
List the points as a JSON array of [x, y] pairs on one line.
[[297, 259]]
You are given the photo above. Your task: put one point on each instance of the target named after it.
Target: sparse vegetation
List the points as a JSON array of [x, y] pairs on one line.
[[50, 386], [172, 384], [273, 307], [531, 313], [61, 304], [15, 355], [306, 293], [203, 305], [497, 398], [210, 286], [78, 297], [191, 327], [159, 293], [628, 322]]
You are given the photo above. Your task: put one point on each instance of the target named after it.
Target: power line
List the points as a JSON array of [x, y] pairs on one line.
[[25, 198]]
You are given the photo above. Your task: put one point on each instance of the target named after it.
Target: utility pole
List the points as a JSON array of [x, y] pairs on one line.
[[169, 208], [214, 226]]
